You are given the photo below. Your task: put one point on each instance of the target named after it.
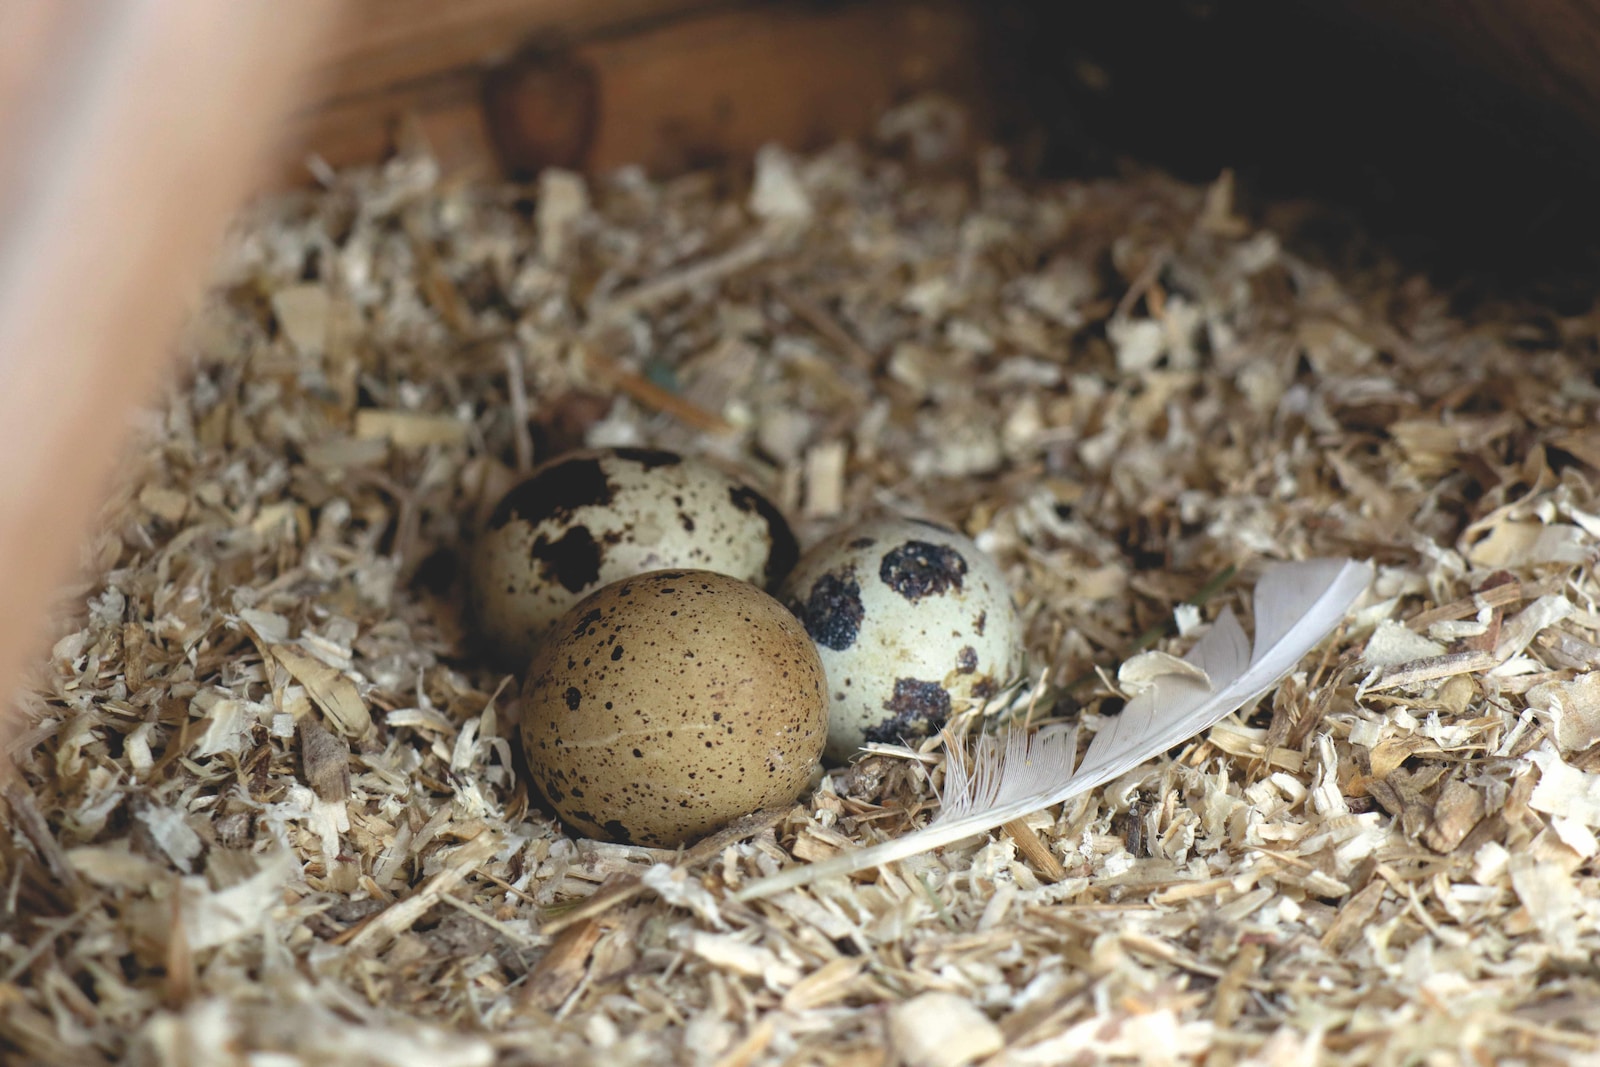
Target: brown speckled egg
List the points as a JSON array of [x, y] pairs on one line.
[[666, 704], [592, 517]]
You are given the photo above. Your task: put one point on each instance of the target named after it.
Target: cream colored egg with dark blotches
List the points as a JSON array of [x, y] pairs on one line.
[[592, 517], [667, 704], [912, 620]]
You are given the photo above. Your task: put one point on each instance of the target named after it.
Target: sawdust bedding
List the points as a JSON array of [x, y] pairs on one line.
[[267, 810]]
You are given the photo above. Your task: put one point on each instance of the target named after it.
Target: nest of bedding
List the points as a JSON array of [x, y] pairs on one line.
[[267, 810]]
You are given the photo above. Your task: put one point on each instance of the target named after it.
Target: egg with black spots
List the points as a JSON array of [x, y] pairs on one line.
[[912, 621], [667, 704], [591, 517]]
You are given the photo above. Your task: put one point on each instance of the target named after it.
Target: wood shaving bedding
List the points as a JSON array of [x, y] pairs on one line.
[[268, 811]]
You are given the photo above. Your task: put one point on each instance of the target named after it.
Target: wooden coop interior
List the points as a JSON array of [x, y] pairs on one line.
[[1410, 187], [1466, 126]]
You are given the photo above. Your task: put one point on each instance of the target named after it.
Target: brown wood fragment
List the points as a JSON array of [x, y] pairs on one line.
[[1391, 752], [561, 968], [180, 977], [435, 284], [1232, 986], [135, 639], [619, 889], [182, 738], [816, 843], [26, 816], [826, 985], [1433, 668], [1489, 828], [1312, 718], [1157, 949], [403, 914], [1403, 801], [1286, 713], [746, 826], [1584, 444], [654, 396], [32, 1032], [335, 694], [1523, 823], [827, 327], [1035, 851], [1496, 596], [325, 760], [1455, 813], [1384, 793], [1352, 916], [754, 1044], [1569, 650]]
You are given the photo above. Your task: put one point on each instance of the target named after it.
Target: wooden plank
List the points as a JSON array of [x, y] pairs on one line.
[[671, 84], [721, 86], [388, 44], [400, 67]]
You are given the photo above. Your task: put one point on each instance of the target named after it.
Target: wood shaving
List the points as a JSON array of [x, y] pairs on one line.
[[267, 808]]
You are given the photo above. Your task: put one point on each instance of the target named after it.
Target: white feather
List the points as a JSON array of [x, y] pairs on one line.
[[1296, 606]]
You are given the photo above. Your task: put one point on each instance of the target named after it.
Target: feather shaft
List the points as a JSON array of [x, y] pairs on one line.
[[1296, 606]]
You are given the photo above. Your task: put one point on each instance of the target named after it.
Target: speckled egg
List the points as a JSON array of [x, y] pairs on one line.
[[669, 703], [592, 517], [910, 619]]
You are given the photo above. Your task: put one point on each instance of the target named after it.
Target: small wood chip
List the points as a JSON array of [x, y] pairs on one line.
[[826, 985], [941, 1030], [617, 889], [825, 467], [1574, 710], [1495, 596], [827, 327], [620, 888], [1352, 916], [654, 396], [403, 914], [410, 429], [1035, 851], [1432, 669], [562, 967], [325, 760], [303, 313], [25, 816], [168, 504], [1233, 986], [335, 694], [1455, 813], [754, 1044], [705, 272]]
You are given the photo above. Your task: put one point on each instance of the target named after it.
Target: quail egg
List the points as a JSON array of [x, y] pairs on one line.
[[591, 517], [667, 704], [911, 619]]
